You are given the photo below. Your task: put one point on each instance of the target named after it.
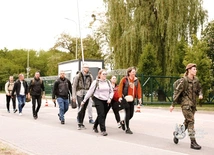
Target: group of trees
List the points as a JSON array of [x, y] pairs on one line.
[[159, 37], [14, 62]]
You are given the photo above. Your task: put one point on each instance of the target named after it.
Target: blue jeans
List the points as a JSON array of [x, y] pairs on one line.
[[21, 102], [63, 107]]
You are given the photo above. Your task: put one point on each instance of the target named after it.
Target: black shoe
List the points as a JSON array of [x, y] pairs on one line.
[[123, 125], [194, 145], [79, 127], [95, 130], [15, 110], [83, 126], [128, 131], [175, 140], [34, 116], [104, 133], [59, 117], [62, 122]]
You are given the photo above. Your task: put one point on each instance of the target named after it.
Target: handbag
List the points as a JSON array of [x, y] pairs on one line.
[[73, 104], [28, 99], [129, 98], [124, 104]]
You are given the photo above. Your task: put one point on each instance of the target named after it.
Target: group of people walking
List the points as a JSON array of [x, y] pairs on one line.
[[105, 94], [21, 90]]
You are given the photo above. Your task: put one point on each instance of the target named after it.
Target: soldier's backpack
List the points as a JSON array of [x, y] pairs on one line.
[[177, 94]]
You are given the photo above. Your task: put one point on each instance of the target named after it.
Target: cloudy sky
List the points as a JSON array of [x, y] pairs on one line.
[[36, 24]]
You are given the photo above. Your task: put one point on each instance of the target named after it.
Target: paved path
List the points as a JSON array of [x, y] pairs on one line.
[[152, 133]]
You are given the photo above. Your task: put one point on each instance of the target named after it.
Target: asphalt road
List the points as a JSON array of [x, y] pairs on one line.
[[152, 130]]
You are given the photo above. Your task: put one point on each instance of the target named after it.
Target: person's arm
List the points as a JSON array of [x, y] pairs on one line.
[[74, 87], [6, 88], [200, 94], [120, 89], [111, 91], [139, 92], [69, 86], [90, 91], [30, 86], [54, 90], [14, 89]]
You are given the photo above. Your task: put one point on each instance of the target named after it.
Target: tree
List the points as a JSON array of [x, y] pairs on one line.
[[208, 37], [90, 47], [197, 54], [148, 60], [135, 23]]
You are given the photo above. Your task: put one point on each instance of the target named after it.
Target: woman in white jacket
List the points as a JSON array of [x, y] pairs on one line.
[[102, 94]]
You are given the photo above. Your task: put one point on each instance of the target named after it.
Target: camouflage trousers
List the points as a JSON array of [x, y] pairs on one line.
[[189, 121]]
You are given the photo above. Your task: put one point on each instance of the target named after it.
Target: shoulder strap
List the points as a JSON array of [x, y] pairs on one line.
[[97, 82]]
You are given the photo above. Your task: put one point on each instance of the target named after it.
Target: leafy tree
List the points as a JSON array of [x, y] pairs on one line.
[[135, 23], [208, 37], [90, 47], [148, 60], [197, 54]]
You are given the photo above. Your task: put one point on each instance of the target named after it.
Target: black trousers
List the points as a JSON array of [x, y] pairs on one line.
[[81, 113], [102, 108], [36, 99], [129, 112], [8, 97], [115, 107]]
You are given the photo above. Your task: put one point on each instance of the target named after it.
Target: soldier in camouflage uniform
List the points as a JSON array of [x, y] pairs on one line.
[[189, 89]]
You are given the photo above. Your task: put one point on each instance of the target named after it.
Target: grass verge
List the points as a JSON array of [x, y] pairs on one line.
[[6, 149]]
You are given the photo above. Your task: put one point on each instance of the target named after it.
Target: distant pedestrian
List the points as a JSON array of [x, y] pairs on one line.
[[102, 93], [189, 89], [8, 90], [21, 90], [129, 88], [81, 84], [37, 91], [61, 90]]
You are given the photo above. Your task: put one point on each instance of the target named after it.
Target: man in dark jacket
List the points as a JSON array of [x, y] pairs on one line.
[[61, 89], [21, 89], [37, 91]]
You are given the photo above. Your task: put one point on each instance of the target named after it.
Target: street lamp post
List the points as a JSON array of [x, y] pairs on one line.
[[28, 67], [80, 32], [76, 34]]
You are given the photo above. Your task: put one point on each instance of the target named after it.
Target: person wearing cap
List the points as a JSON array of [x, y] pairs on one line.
[[81, 85], [189, 89]]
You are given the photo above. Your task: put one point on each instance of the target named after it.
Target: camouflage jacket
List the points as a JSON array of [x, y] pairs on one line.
[[189, 91]]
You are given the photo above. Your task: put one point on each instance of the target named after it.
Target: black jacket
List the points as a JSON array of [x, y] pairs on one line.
[[17, 87], [62, 88], [36, 87]]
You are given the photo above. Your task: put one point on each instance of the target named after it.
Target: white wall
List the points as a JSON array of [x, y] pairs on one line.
[[71, 67]]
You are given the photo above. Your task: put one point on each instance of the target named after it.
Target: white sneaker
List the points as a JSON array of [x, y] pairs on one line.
[[20, 114]]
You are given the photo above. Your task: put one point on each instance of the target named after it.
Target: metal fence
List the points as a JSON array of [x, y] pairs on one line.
[[155, 89]]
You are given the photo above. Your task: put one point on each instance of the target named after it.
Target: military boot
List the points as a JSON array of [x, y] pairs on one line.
[[175, 140], [194, 145]]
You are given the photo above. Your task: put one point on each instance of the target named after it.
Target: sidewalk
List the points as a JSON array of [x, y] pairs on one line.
[[46, 136]]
